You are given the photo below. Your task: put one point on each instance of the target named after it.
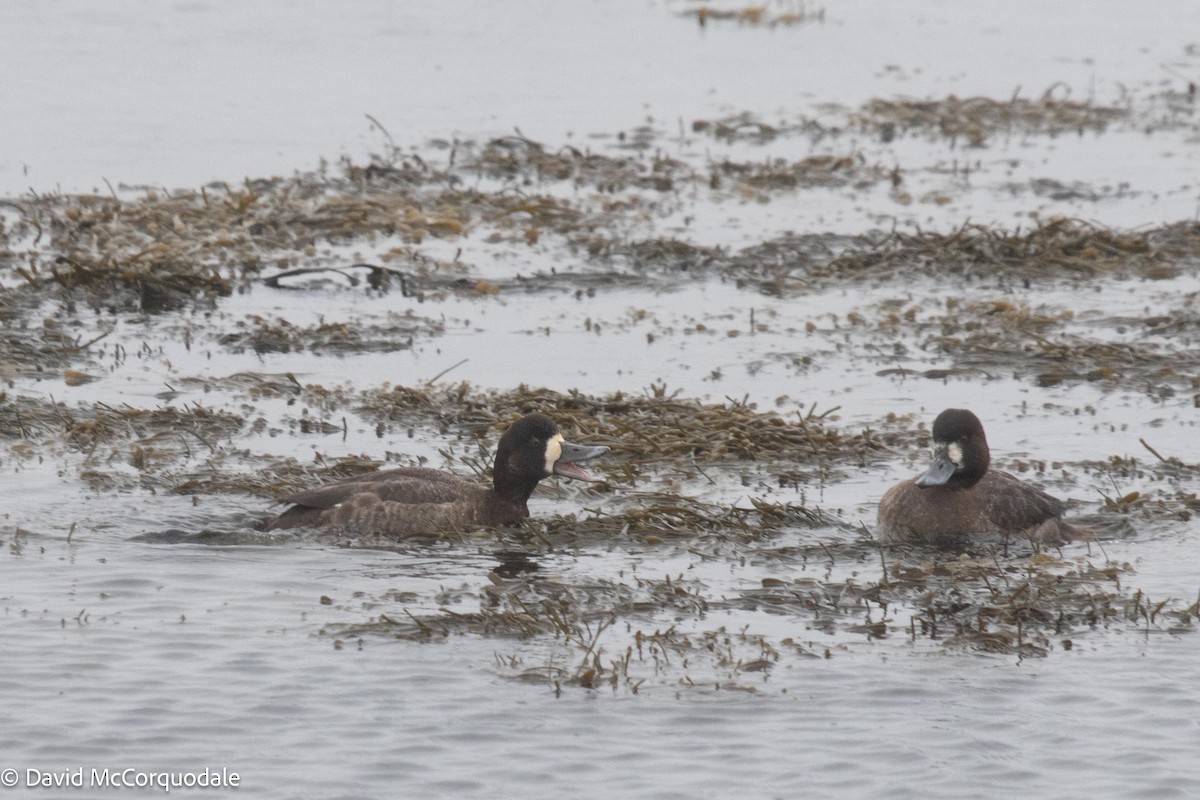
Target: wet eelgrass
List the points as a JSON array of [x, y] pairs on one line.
[[654, 427], [756, 15], [1003, 338], [845, 594], [161, 251], [1060, 248], [981, 602], [823, 171], [749, 128], [27, 351], [971, 121], [633, 631], [531, 163], [157, 251], [653, 436], [1155, 367], [260, 334], [85, 427], [978, 119], [1179, 500], [166, 250], [647, 433], [622, 631], [1026, 607]]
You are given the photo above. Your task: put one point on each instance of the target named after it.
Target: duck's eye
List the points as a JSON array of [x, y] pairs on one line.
[[535, 441]]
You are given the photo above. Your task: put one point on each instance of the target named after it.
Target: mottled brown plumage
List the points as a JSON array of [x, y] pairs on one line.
[[410, 501], [959, 496]]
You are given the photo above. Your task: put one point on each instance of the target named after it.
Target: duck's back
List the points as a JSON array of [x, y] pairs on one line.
[[399, 502], [1016, 507], [999, 504]]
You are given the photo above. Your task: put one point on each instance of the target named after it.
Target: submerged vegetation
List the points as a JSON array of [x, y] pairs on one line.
[[824, 573], [757, 15], [976, 119], [624, 631], [695, 489]]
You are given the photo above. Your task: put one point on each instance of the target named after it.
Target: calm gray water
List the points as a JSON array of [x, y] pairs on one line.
[[122, 655], [118, 653]]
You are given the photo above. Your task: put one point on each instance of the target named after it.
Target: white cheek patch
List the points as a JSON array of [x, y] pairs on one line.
[[553, 452], [955, 453]]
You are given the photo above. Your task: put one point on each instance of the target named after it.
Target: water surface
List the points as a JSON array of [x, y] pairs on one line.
[[159, 631]]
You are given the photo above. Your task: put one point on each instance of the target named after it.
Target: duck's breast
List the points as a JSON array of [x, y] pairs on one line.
[[909, 513]]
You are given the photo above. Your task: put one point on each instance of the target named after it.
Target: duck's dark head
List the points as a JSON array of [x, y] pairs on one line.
[[532, 449], [960, 451]]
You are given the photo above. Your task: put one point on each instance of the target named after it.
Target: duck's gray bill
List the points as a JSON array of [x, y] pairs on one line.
[[569, 463], [939, 472]]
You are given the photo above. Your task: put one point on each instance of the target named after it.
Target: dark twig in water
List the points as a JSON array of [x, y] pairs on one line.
[[1155, 452], [700, 469], [393, 149], [433, 380], [92, 341]]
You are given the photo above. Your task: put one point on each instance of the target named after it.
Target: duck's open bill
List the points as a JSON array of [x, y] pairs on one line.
[[569, 464]]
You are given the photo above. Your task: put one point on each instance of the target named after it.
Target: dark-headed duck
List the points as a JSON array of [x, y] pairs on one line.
[[959, 496], [408, 501]]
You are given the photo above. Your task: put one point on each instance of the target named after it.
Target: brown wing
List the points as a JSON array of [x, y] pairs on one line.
[[400, 502], [403, 485], [1014, 506]]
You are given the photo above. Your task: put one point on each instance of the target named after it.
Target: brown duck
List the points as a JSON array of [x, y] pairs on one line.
[[959, 496], [408, 501]]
